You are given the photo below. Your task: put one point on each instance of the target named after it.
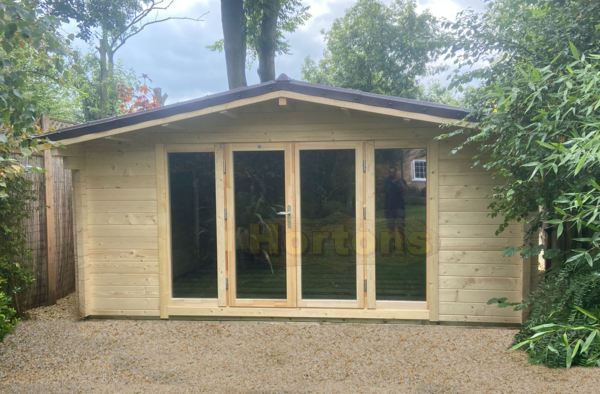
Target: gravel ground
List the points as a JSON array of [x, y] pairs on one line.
[[65, 309], [115, 356]]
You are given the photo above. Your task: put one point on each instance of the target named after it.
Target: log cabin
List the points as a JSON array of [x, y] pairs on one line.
[[288, 200]]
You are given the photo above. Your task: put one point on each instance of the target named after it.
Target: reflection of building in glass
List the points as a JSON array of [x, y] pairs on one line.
[[415, 167], [400, 228], [419, 170], [411, 165]]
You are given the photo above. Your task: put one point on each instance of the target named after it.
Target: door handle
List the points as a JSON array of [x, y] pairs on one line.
[[288, 214]]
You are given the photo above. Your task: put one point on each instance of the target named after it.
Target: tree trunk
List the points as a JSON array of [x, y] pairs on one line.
[[103, 77], [111, 61], [233, 19], [111, 94], [160, 97], [268, 41]]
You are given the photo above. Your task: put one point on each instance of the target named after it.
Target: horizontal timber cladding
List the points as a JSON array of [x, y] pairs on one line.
[[121, 256], [472, 268], [120, 196]]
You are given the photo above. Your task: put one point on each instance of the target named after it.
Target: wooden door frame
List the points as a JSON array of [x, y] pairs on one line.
[[224, 191], [289, 301], [358, 147], [431, 222], [164, 226]]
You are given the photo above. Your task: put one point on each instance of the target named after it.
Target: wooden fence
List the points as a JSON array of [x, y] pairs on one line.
[[50, 233], [50, 228]]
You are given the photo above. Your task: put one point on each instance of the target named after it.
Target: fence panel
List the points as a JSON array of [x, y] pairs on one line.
[[63, 222], [37, 294]]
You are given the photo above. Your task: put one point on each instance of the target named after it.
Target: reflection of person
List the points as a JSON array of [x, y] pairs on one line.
[[395, 188]]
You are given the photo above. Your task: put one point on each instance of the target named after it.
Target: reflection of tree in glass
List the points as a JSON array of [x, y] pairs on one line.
[[259, 180], [328, 187]]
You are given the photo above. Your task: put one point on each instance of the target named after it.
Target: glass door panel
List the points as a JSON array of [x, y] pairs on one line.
[[328, 224], [193, 224], [401, 224], [260, 224]]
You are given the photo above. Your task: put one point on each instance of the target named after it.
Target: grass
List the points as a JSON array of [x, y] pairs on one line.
[[327, 276]]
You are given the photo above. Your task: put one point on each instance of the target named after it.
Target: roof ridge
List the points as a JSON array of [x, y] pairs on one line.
[[282, 83]]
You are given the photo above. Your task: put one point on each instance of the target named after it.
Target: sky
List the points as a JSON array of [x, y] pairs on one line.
[[174, 53]]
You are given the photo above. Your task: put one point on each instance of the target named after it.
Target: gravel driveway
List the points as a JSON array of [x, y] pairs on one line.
[[189, 356]]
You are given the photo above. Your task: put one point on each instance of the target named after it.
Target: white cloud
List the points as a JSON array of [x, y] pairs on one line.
[[174, 53]]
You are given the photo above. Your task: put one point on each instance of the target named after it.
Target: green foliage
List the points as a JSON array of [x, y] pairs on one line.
[[518, 32], [88, 84], [24, 33], [379, 49], [556, 312], [8, 318], [545, 132], [27, 39], [434, 92], [571, 124], [537, 111], [579, 344], [14, 255], [55, 95], [21, 26], [556, 315], [539, 126], [292, 15]]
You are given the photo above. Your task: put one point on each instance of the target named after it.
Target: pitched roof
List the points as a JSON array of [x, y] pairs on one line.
[[282, 83]]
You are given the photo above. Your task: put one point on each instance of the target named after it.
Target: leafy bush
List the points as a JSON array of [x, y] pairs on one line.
[[539, 129], [566, 125], [7, 315], [14, 255], [558, 305], [577, 342], [21, 26]]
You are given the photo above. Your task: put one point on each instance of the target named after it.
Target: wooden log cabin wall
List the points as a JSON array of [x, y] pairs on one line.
[[124, 208]]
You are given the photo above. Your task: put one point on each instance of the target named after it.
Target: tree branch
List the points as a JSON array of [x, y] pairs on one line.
[[128, 36]]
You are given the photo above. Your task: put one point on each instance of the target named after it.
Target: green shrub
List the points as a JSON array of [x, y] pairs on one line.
[[8, 314], [564, 345], [561, 307], [14, 255]]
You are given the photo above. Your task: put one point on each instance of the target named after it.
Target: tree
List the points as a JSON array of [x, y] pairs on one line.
[[379, 49], [233, 19], [21, 26], [434, 92], [53, 94], [87, 85], [537, 105], [110, 24], [257, 27], [513, 32], [267, 40]]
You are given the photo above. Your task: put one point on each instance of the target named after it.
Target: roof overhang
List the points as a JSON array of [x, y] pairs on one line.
[[282, 87]]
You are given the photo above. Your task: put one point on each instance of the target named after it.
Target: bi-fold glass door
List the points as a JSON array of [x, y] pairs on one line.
[[328, 225], [294, 212]]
